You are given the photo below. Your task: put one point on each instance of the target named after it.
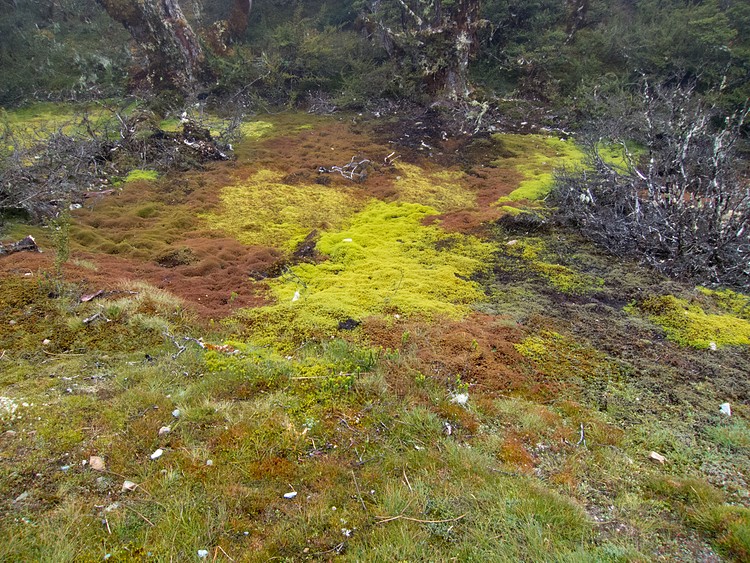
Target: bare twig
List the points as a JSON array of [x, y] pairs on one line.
[[402, 517], [359, 493], [582, 439]]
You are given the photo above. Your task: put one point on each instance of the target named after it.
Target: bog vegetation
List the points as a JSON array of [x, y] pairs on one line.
[[394, 280]]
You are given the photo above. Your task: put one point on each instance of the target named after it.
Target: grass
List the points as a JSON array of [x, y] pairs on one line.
[[567, 388]]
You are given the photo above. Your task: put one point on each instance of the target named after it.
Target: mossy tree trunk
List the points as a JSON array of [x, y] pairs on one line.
[[160, 29], [438, 37]]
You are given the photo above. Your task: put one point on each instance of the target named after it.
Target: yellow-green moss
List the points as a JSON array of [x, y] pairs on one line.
[[441, 190], [560, 357], [256, 129], [730, 301], [384, 262], [562, 278], [139, 175], [535, 157], [264, 211], [688, 324]]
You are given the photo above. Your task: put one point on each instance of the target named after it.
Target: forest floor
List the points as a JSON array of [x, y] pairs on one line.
[[261, 361]]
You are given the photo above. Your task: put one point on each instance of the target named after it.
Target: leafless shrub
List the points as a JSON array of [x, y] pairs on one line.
[[43, 171], [676, 195]]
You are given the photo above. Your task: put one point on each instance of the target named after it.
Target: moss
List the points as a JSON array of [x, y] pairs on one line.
[[689, 325], [138, 175], [535, 157], [730, 301], [533, 251], [441, 190], [384, 262], [561, 358], [264, 211], [254, 130]]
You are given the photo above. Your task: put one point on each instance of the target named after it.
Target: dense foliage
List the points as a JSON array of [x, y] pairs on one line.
[[355, 50]]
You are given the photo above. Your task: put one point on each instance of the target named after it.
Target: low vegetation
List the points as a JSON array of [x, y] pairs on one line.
[[257, 360]]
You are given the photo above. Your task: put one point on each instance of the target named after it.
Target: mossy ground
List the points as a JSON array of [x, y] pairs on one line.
[[430, 392]]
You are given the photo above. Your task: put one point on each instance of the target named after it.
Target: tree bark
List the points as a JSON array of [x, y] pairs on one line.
[[160, 29], [439, 40]]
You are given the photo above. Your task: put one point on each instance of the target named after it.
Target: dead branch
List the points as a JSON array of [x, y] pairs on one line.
[[27, 244]]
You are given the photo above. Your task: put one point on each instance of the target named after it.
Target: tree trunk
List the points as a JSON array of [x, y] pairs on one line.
[[175, 57], [439, 40]]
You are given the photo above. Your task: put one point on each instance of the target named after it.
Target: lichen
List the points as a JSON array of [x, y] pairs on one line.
[[688, 324], [384, 262]]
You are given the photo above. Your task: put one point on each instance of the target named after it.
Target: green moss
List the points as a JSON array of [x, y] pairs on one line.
[[441, 190], [384, 262], [139, 175], [254, 130], [689, 325], [533, 251], [730, 301], [264, 211], [535, 157]]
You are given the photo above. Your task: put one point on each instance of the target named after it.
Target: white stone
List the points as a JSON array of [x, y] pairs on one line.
[[290, 495], [97, 463], [657, 458], [164, 430], [129, 486], [202, 553], [726, 409], [157, 454]]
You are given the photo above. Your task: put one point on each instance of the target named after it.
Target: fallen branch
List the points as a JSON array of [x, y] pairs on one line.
[[355, 170], [27, 244]]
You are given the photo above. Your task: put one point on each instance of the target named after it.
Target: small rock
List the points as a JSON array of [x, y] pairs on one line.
[[157, 454], [10, 433], [176, 413], [12, 323], [296, 296], [209, 462], [46, 341], [164, 430], [97, 463], [23, 496], [202, 553], [726, 409], [65, 468], [129, 486], [511, 242], [712, 346], [657, 458], [290, 495]]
